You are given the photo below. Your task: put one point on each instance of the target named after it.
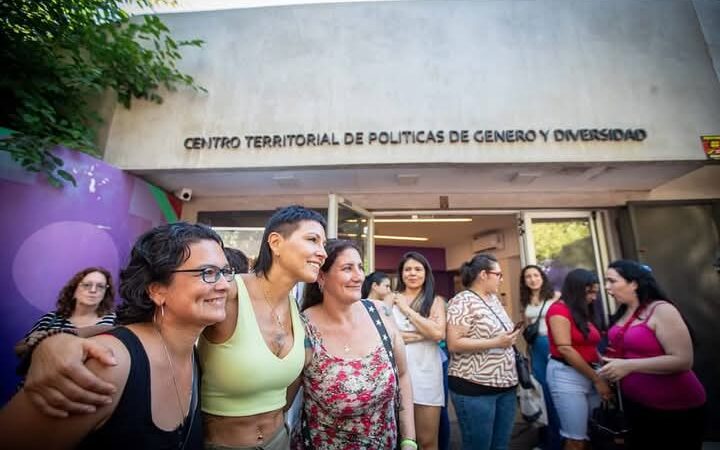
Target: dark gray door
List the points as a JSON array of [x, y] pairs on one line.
[[681, 244]]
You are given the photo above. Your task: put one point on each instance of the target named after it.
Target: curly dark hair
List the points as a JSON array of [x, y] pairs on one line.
[[66, 298], [154, 257], [546, 290]]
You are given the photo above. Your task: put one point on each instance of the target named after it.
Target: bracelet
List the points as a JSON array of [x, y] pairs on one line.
[[409, 442], [32, 342], [35, 338]]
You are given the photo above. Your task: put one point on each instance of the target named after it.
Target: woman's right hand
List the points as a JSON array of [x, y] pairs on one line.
[[506, 340], [58, 383], [603, 388]]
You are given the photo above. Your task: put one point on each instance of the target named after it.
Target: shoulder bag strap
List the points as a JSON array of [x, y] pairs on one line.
[[540, 313], [515, 349], [387, 343]]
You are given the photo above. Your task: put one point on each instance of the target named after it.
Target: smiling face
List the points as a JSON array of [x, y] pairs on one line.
[[90, 290], [533, 279], [343, 281], [619, 287], [302, 253], [190, 299], [413, 274]]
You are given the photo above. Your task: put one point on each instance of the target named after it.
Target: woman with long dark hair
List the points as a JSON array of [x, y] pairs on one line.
[[420, 316], [352, 394], [652, 358], [574, 385], [482, 374], [536, 297]]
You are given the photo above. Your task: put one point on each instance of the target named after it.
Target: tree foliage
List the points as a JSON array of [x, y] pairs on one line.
[[56, 55], [568, 240]]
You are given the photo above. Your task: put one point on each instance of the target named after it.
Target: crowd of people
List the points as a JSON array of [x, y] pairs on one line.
[[205, 353]]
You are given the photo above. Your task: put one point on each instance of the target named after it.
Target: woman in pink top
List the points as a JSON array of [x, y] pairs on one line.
[[652, 357]]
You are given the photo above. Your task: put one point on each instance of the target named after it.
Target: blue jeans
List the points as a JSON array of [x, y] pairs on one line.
[[550, 438], [444, 433], [486, 421]]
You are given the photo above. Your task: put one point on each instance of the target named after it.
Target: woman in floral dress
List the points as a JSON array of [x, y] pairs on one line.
[[352, 392]]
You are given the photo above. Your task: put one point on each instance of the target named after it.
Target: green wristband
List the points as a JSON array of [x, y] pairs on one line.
[[410, 442]]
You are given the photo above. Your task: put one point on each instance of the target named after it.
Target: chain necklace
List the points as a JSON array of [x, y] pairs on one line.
[[278, 339], [172, 372]]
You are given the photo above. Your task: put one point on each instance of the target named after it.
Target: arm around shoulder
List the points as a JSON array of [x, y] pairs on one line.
[[23, 425]]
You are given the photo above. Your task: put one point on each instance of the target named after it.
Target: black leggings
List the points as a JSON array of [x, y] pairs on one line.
[[660, 429]]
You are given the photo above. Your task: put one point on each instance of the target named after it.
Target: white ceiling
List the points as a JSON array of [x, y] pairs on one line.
[[437, 179]]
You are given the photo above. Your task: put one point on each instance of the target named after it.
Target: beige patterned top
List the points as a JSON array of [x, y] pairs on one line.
[[493, 367]]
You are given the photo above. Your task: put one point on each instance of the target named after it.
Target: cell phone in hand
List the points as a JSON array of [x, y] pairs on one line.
[[518, 326]]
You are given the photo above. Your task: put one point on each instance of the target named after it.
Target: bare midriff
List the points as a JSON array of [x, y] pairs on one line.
[[248, 431]]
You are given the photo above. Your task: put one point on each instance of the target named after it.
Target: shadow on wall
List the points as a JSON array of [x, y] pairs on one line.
[[48, 234]]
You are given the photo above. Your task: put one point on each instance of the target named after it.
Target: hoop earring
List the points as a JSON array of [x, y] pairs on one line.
[[162, 310]]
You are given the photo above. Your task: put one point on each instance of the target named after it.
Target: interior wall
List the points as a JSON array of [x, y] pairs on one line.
[[508, 257]]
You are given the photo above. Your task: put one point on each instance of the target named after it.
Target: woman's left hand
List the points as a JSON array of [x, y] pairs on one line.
[[615, 369]]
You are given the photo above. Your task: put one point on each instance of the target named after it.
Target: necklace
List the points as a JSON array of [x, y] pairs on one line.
[[278, 338], [172, 372], [347, 348]]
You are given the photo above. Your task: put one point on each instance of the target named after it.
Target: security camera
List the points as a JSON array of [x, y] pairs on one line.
[[184, 194]]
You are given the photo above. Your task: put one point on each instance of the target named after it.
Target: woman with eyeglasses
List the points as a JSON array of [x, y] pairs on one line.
[[174, 285], [574, 385], [482, 376], [86, 300], [651, 356], [251, 360]]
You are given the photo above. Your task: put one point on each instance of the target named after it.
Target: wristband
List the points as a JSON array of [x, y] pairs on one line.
[[32, 342], [34, 339], [409, 442]]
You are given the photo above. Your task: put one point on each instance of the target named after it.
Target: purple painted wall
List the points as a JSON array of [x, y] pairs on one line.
[[387, 257], [48, 234]]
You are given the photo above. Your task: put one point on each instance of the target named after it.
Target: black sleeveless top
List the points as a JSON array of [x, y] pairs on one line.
[[131, 425]]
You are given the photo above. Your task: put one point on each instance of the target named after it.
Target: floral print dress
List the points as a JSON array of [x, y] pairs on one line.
[[349, 404]]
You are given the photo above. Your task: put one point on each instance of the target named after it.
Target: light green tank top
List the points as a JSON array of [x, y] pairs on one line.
[[241, 376]]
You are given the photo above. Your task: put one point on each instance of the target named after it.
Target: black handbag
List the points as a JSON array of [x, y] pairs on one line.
[[531, 332], [523, 369], [521, 362], [609, 428]]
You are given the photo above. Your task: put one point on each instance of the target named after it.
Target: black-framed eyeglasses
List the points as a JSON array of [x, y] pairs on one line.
[[211, 275], [499, 274]]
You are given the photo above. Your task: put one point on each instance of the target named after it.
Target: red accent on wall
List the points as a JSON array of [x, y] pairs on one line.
[[387, 257], [176, 204]]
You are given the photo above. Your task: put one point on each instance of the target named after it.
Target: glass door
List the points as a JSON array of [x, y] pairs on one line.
[[351, 222], [562, 241]]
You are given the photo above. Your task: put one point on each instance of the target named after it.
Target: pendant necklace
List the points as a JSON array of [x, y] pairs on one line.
[[278, 339], [175, 384]]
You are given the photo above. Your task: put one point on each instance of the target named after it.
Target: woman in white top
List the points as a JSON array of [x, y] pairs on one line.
[[420, 316], [536, 296]]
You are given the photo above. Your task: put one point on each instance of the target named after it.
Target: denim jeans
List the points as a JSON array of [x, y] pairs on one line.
[[574, 397], [550, 438], [486, 421]]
